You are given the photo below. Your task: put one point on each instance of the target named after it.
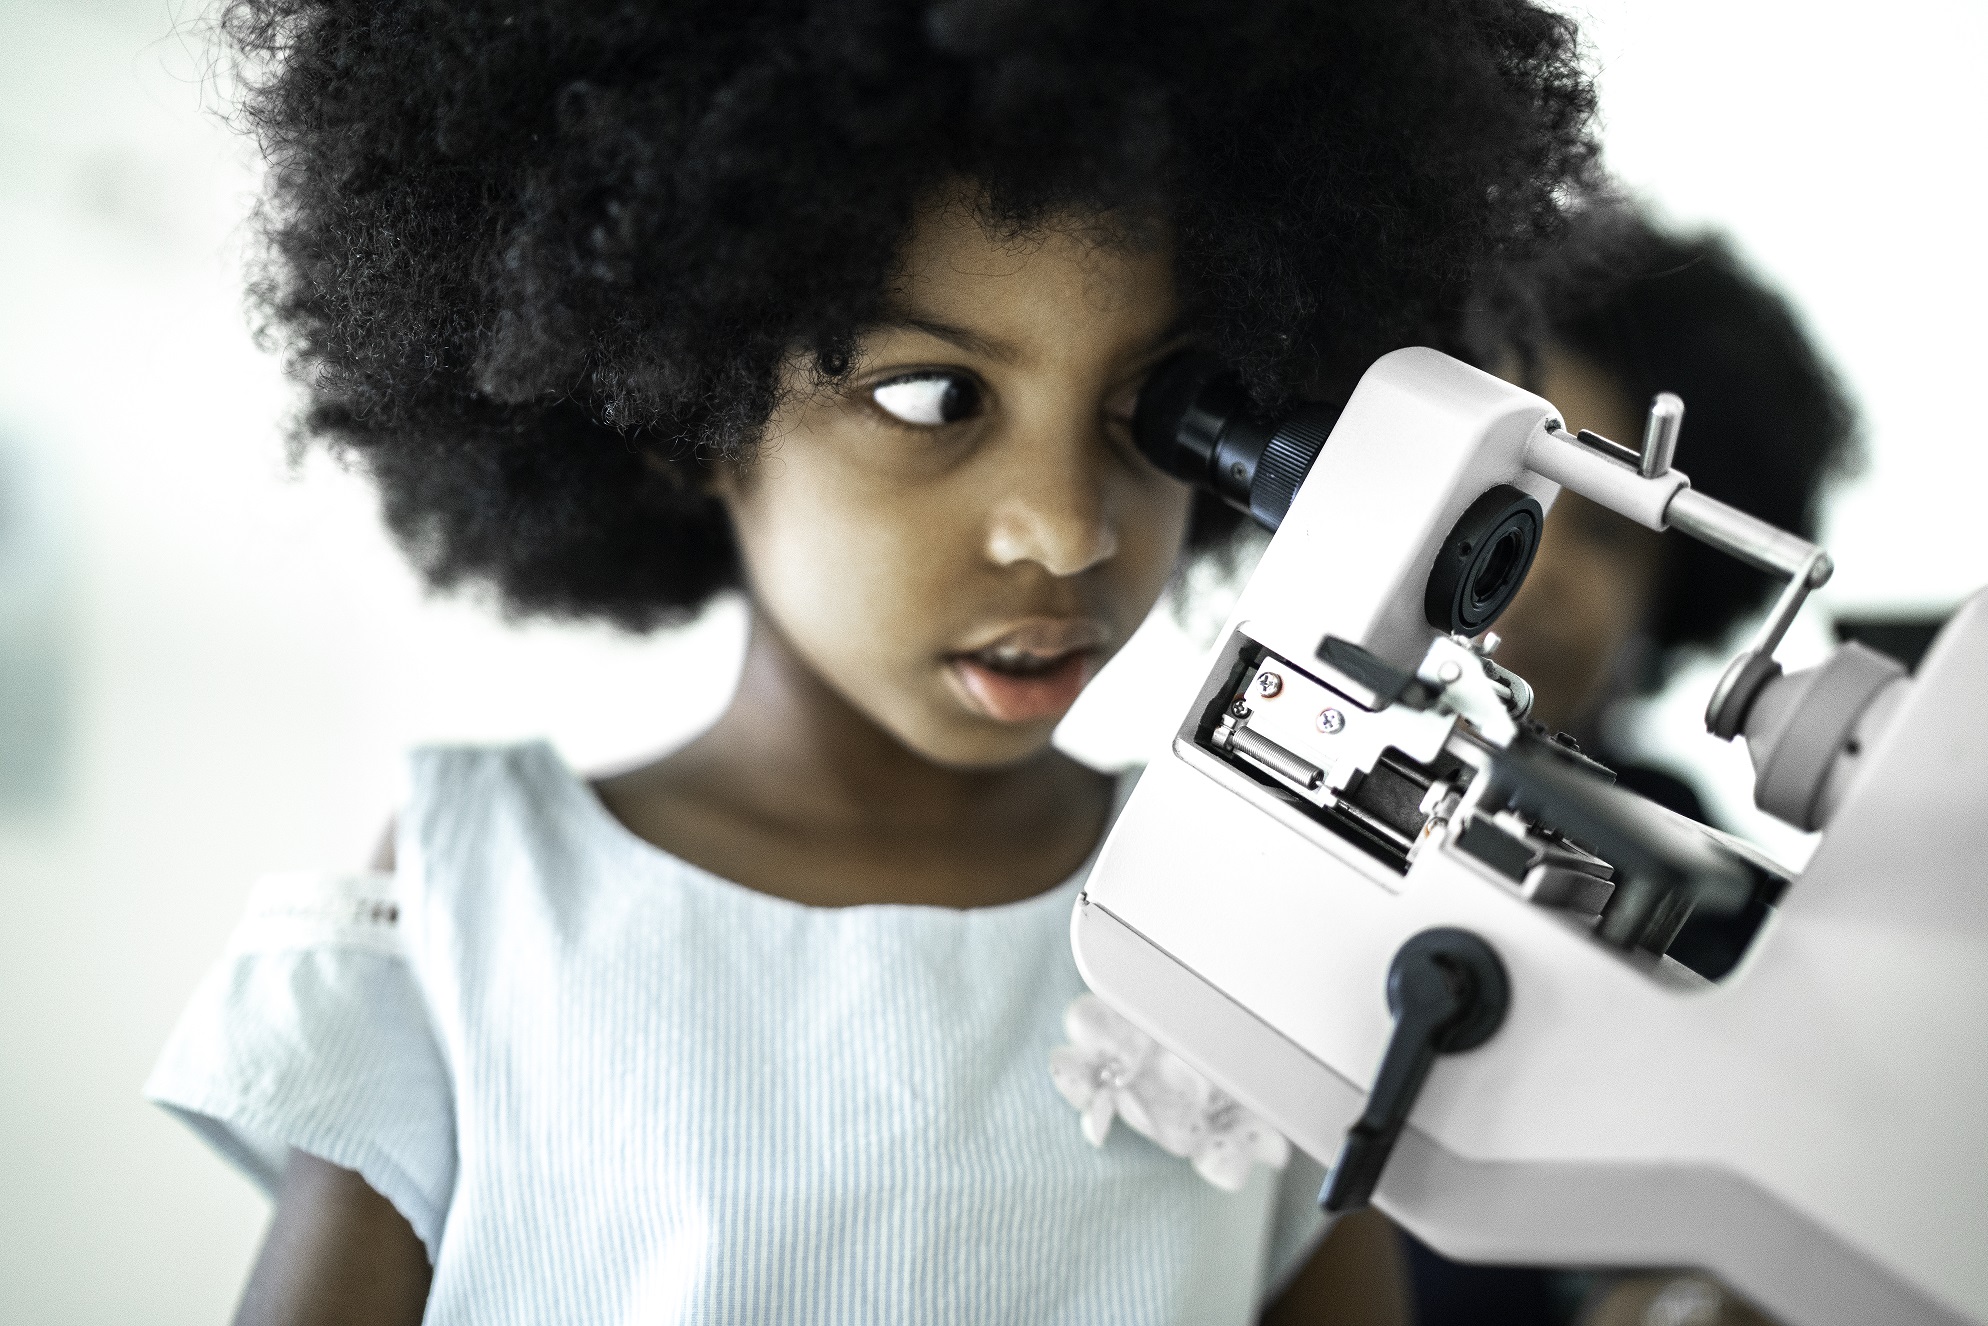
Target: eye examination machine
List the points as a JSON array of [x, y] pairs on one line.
[[1425, 938]]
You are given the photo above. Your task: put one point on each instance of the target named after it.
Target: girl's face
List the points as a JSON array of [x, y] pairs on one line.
[[957, 540]]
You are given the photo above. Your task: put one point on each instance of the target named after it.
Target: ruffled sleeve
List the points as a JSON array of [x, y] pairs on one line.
[[312, 1033]]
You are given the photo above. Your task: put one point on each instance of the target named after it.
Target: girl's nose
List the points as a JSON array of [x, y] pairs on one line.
[[1053, 509]]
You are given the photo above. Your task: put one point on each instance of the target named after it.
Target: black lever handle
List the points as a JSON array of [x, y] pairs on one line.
[[1448, 992]]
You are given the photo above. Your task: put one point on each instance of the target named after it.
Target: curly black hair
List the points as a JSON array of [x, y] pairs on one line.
[[1767, 425], [540, 263]]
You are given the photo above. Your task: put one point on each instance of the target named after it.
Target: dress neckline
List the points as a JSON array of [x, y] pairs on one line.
[[561, 778]]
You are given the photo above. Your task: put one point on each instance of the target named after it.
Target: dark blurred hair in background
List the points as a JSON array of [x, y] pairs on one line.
[[1768, 424]]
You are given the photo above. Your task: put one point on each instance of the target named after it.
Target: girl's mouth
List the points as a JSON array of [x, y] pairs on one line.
[[1011, 684]]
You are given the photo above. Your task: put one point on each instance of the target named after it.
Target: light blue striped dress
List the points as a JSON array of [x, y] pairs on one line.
[[606, 1086]]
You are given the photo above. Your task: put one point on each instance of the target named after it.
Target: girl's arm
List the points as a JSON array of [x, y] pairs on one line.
[[336, 1252], [1357, 1277]]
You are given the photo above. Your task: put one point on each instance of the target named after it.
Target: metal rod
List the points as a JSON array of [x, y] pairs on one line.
[[1755, 662], [1768, 638], [1275, 758], [1660, 436], [1753, 541]]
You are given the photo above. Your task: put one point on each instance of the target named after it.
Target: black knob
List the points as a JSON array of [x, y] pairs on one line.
[[1448, 992]]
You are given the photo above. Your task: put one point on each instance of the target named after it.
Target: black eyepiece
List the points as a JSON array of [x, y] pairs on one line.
[[1484, 561], [1197, 423]]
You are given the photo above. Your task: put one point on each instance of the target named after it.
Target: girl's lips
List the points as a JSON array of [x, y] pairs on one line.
[[1010, 697]]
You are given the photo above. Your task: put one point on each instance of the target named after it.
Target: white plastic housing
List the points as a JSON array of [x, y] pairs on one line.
[[1813, 1129]]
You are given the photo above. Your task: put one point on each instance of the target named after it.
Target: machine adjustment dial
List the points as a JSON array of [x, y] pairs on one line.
[[1448, 992]]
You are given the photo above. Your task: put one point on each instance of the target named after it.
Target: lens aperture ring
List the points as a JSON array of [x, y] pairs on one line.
[[1287, 459]]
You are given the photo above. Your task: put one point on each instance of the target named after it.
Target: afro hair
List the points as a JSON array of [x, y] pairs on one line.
[[539, 264]]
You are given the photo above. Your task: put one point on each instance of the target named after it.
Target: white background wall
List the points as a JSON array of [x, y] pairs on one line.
[[236, 657]]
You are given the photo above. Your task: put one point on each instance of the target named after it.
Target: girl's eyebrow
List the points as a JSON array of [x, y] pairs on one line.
[[974, 342], [970, 341]]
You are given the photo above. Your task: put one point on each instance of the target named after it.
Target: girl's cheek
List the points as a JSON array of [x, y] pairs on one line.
[[848, 558], [1159, 537]]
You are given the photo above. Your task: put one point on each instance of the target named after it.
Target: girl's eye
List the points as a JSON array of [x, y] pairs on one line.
[[928, 399]]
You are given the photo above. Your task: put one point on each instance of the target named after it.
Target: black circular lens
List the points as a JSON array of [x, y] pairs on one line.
[[1185, 406], [1483, 562], [1496, 571]]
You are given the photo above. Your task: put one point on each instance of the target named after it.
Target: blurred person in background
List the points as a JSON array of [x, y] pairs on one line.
[[1610, 609]]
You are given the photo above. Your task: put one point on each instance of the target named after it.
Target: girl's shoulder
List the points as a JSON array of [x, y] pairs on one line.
[[332, 1022], [465, 799], [312, 1032], [508, 826]]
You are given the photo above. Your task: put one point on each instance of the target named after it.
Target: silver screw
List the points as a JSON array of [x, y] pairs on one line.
[[1331, 721], [1268, 684], [1487, 644], [1450, 673]]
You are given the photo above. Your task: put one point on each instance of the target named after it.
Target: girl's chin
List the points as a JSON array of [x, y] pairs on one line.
[[1021, 699]]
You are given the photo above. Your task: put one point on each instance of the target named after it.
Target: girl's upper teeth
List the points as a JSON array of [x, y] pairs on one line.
[[1013, 658]]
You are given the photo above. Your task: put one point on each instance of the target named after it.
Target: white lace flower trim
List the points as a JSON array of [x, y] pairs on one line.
[[1111, 1069]]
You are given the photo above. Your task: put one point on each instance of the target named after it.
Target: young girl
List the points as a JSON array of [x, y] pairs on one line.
[[846, 305]]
